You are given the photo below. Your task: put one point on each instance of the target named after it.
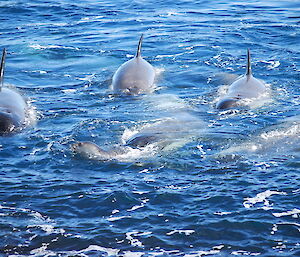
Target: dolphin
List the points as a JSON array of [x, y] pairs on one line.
[[135, 76], [12, 105], [90, 150], [163, 136], [245, 87], [282, 139]]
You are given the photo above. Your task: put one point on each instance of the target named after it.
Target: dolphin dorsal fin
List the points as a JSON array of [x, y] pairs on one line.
[[138, 52], [2, 68], [248, 71]]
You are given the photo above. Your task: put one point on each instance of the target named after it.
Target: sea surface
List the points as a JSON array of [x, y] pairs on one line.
[[228, 182]]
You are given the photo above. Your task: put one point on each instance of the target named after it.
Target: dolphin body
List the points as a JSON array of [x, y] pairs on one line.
[[90, 150], [12, 105], [135, 76], [245, 87], [280, 141], [164, 135]]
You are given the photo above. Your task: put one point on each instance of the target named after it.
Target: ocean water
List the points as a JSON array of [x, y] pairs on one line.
[[228, 182]]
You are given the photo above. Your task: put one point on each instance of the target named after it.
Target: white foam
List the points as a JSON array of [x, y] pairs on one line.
[[246, 253], [90, 19], [109, 251], [41, 47], [69, 91], [117, 218], [168, 55], [159, 71], [134, 241], [115, 211], [274, 229], [48, 228], [128, 133], [37, 221], [272, 64], [42, 251], [278, 133], [104, 251], [215, 250], [187, 232], [170, 13], [136, 207], [141, 192], [88, 78], [294, 213], [54, 24], [37, 71], [133, 254], [261, 198], [31, 115], [39, 250], [221, 213], [132, 154]]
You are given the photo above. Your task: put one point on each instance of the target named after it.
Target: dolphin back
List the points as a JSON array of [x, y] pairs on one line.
[[12, 110], [135, 76], [245, 87]]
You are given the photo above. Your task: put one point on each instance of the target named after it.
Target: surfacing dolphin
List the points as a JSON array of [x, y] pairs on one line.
[[90, 150], [135, 76], [147, 136], [280, 141], [12, 105], [244, 88], [161, 136]]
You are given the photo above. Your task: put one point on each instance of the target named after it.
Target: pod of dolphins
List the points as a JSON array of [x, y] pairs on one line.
[[134, 77]]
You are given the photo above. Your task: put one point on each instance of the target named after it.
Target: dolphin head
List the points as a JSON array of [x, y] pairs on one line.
[[88, 150], [7, 124]]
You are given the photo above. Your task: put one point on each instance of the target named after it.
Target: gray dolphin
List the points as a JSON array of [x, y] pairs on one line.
[[245, 87], [142, 139], [135, 76], [164, 135], [12, 105], [282, 139], [90, 150]]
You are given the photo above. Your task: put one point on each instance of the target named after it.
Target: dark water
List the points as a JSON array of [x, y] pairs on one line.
[[231, 189]]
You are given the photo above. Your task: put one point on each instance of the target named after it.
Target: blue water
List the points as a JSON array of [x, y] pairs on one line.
[[231, 190]]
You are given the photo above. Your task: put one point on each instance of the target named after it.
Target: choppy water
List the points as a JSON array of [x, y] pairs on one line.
[[230, 189]]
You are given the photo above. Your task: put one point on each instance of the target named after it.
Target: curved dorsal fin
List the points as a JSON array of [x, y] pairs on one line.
[[2, 67], [248, 71], [138, 52]]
